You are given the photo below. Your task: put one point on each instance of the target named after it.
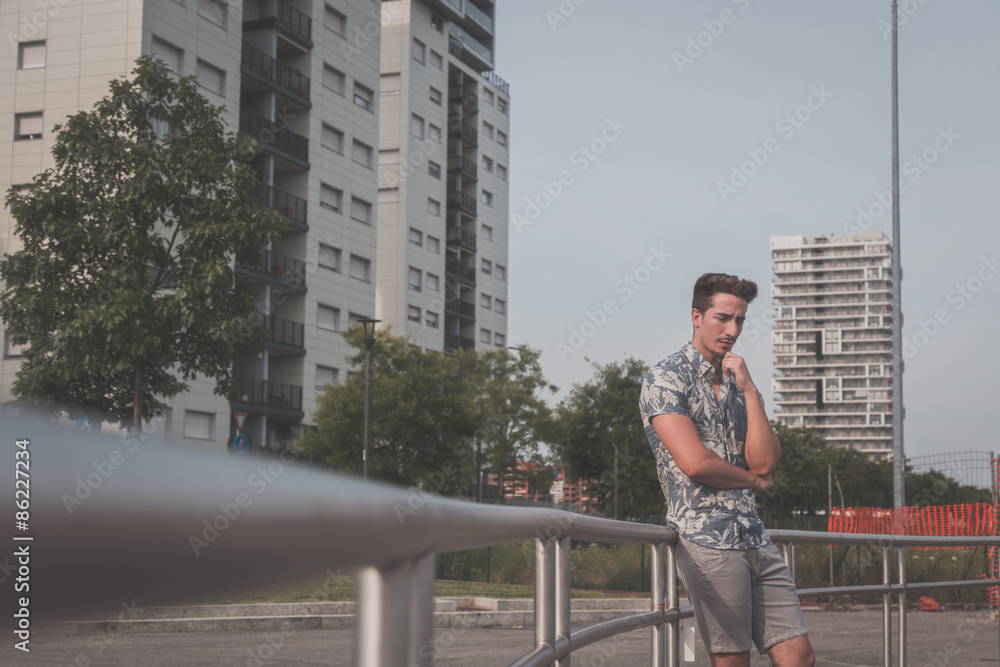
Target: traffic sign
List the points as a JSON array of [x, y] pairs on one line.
[[242, 444], [558, 474], [240, 418]]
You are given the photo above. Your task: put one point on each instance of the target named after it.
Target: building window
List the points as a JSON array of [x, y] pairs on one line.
[[435, 133], [413, 313], [417, 126], [362, 96], [501, 273], [28, 126], [416, 237], [487, 198], [487, 232], [501, 138], [11, 350], [488, 96], [215, 11], [434, 208], [361, 210], [328, 318], [390, 156], [487, 267], [388, 195], [434, 244], [487, 130], [361, 153], [414, 279], [390, 84], [330, 197], [31, 55], [329, 257], [332, 138], [198, 425], [501, 172], [361, 268], [335, 21], [487, 164], [436, 96], [500, 306], [500, 340], [485, 336], [502, 105], [486, 301], [334, 79], [436, 60], [170, 54], [419, 51], [437, 23], [211, 77], [326, 376], [431, 319], [432, 282], [434, 169]]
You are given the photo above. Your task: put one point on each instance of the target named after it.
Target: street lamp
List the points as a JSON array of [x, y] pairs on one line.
[[369, 327]]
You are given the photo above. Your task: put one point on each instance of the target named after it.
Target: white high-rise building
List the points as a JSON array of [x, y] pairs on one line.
[[302, 76], [444, 154], [832, 338]]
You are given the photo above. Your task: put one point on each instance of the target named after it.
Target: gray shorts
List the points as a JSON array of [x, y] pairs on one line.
[[740, 595]]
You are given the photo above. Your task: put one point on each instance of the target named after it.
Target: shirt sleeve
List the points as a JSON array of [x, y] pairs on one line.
[[663, 393]]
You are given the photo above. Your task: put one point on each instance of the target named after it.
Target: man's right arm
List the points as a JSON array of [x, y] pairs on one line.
[[679, 436]]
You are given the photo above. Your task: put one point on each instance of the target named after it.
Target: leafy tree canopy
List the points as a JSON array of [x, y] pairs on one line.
[[124, 287]]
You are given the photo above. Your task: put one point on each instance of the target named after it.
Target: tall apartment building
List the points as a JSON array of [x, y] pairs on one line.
[[443, 175], [832, 338], [302, 76]]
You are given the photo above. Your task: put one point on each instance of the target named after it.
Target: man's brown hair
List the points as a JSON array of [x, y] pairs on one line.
[[711, 284]]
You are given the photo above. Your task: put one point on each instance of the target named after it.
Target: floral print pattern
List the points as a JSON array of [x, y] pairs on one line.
[[681, 384]]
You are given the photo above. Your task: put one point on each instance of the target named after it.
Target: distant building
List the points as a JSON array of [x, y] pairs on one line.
[[832, 338]]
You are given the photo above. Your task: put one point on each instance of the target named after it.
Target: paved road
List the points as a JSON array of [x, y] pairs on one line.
[[953, 638]]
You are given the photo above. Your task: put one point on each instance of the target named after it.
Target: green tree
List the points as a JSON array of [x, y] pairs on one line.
[[512, 413], [423, 416], [596, 416], [125, 288]]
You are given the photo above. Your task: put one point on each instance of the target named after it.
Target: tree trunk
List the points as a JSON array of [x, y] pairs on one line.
[[503, 474], [137, 398]]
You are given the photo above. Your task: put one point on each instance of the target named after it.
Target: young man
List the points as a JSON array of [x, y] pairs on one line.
[[706, 423]]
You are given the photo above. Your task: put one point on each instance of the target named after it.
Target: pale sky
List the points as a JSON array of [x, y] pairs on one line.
[[669, 96]]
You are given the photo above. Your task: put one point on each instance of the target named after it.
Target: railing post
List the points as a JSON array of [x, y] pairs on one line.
[[563, 627], [886, 608], [901, 558], [421, 620], [673, 603], [545, 593], [387, 598], [790, 559], [657, 594]]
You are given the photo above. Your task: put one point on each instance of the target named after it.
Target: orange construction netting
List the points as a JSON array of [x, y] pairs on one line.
[[969, 520]]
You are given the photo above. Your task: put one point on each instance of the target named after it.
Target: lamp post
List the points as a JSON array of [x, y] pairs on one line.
[[369, 327]]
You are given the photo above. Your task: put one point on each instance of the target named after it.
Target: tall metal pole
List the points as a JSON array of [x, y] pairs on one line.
[[898, 455], [368, 403], [616, 479]]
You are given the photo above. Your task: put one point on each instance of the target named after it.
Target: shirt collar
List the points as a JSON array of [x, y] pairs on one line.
[[702, 365]]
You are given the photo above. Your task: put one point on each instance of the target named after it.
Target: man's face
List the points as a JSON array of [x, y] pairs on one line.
[[716, 330]]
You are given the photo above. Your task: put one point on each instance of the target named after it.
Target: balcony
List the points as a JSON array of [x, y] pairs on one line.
[[460, 200], [276, 269], [290, 22], [455, 341], [462, 237], [285, 336], [497, 81], [463, 166], [275, 139], [275, 397], [461, 272], [276, 75], [466, 98], [292, 207], [479, 16], [465, 131], [469, 49], [459, 308]]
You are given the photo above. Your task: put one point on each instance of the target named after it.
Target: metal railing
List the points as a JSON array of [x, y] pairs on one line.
[[288, 79], [271, 136]]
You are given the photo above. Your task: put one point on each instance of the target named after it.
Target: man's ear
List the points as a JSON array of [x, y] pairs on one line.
[[696, 318]]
